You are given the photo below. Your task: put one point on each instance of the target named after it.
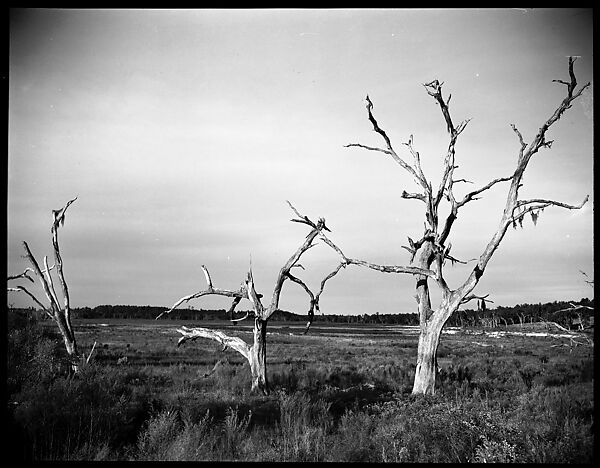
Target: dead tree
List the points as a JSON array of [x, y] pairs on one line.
[[432, 250], [61, 314], [577, 308], [256, 354]]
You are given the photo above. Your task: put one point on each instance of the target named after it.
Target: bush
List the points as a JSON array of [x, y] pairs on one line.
[[303, 425], [166, 436], [557, 423], [352, 441], [68, 417]]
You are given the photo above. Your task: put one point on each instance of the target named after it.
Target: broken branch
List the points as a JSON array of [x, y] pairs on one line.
[[233, 342]]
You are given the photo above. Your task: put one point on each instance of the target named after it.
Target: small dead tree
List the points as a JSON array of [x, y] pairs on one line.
[[256, 353], [61, 314], [433, 249], [577, 308]]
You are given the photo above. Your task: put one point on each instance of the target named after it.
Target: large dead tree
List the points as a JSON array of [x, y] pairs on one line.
[[61, 314], [432, 250], [256, 353]]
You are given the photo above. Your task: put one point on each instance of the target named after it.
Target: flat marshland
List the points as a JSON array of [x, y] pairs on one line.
[[339, 393]]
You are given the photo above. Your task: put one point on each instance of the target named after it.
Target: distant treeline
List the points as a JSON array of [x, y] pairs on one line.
[[481, 316]]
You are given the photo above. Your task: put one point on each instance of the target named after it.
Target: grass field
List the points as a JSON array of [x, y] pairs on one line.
[[340, 393]]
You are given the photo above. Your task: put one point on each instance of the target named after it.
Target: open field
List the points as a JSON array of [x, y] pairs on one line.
[[149, 341], [339, 393]]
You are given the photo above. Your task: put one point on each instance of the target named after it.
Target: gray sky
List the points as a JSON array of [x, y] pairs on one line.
[[184, 132]]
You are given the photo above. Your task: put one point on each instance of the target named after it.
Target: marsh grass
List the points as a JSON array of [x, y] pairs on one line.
[[332, 400]]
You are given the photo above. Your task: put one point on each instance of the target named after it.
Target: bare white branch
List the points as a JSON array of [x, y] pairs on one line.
[[50, 282], [87, 361], [206, 292], [239, 319], [207, 274], [545, 203], [233, 342], [574, 307], [23, 289]]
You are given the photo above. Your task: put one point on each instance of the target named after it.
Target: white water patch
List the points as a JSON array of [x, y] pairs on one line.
[[498, 334]]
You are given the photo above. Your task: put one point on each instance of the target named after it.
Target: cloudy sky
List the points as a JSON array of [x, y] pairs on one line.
[[183, 133]]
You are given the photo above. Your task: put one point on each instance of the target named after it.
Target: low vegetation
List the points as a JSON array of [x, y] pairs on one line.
[[499, 399]]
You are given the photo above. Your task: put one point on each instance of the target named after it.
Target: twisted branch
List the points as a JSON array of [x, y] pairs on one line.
[[233, 342]]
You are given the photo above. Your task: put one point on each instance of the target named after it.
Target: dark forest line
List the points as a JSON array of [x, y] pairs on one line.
[[561, 312]]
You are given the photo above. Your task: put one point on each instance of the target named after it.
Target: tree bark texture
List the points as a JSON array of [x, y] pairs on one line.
[[258, 357], [427, 368]]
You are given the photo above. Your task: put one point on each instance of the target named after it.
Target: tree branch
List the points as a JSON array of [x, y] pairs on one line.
[[236, 301], [390, 150], [574, 307], [87, 361], [590, 282], [470, 196], [23, 289], [253, 296], [382, 268], [284, 273], [233, 342], [393, 268], [240, 318], [50, 282], [370, 148], [237, 295], [25, 274], [469, 298], [525, 154], [311, 312], [417, 160], [538, 205], [545, 203], [36, 268], [207, 275], [327, 278], [434, 89], [418, 196]]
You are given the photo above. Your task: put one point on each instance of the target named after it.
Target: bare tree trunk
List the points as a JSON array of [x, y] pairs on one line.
[[61, 314], [258, 357], [70, 343], [426, 370]]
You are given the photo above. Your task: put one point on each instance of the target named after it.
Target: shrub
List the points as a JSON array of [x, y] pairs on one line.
[[234, 431], [557, 423], [303, 425], [352, 440], [69, 417], [155, 440], [490, 451]]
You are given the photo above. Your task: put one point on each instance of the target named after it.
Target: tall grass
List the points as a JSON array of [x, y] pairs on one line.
[[490, 407]]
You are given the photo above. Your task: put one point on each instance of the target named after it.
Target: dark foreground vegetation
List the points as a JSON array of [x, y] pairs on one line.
[[340, 396]]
